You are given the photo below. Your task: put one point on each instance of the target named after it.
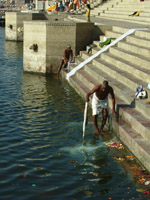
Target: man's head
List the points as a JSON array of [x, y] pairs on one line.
[[68, 47], [105, 84]]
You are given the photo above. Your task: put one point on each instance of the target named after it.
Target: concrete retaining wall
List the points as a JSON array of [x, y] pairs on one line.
[[35, 60], [14, 22], [51, 39]]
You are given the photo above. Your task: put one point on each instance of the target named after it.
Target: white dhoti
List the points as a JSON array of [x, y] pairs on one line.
[[98, 105]]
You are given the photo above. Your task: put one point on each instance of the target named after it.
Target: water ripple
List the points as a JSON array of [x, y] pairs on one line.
[[41, 136]]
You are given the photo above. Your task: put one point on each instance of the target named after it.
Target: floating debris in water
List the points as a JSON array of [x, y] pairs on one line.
[[59, 154], [114, 145], [95, 174], [141, 181], [25, 176], [135, 168], [147, 183], [88, 192], [130, 157], [36, 110], [74, 162], [118, 158], [9, 149], [146, 192], [140, 190]]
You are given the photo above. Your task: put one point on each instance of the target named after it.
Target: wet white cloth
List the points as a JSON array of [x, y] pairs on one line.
[[98, 105]]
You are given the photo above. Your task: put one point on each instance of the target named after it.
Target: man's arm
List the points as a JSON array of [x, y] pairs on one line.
[[91, 92], [71, 55], [65, 56], [113, 101]]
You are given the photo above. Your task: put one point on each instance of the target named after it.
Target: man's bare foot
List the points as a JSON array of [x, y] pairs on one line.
[[97, 132], [102, 132], [57, 76]]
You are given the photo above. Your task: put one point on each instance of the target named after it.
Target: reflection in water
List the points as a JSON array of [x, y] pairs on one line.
[[41, 150]]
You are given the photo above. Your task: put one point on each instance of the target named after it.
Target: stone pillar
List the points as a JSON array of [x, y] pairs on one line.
[[14, 22], [14, 25], [45, 42], [34, 48]]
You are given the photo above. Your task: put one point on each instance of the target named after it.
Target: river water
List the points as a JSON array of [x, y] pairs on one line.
[[42, 155]]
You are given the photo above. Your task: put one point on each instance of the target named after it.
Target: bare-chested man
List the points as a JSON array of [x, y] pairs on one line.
[[68, 56], [100, 103]]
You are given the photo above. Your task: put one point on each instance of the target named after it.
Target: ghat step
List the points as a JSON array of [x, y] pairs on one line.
[[125, 69], [138, 144]]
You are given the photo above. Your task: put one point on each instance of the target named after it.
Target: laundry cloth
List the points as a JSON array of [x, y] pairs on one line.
[[98, 105]]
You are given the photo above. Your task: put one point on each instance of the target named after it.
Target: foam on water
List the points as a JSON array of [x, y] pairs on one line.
[[85, 146]]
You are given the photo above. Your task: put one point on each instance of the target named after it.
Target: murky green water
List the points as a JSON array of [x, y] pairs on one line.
[[41, 151]]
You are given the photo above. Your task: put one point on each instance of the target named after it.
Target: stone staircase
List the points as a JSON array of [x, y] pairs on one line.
[[126, 66], [121, 9], [103, 7]]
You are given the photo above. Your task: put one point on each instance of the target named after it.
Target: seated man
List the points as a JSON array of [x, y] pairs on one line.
[[68, 56]]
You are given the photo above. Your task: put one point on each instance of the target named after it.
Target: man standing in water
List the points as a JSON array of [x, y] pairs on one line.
[[100, 103], [68, 56]]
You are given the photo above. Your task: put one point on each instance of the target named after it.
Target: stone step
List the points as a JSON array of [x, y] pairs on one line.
[[130, 9], [124, 77], [123, 64], [126, 13], [78, 60], [146, 9], [96, 43], [140, 60], [145, 14], [124, 111], [137, 70], [84, 55], [113, 34], [123, 12], [132, 139], [143, 34], [134, 48], [139, 34], [119, 29], [135, 18], [90, 81], [87, 79], [122, 91], [138, 40], [78, 85], [124, 20], [137, 121], [134, 6]]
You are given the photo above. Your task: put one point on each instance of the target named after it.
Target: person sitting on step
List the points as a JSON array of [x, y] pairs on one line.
[[68, 56]]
